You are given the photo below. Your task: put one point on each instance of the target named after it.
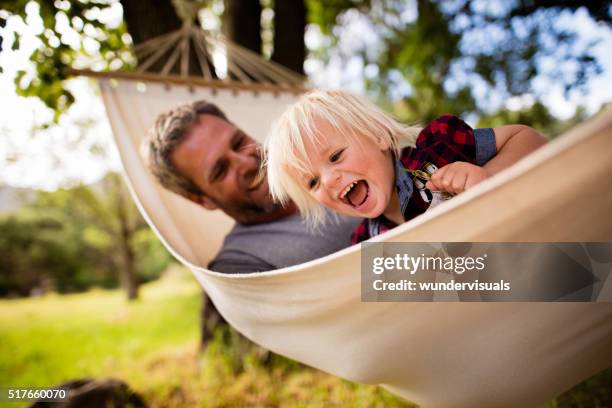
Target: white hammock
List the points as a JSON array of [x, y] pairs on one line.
[[435, 354]]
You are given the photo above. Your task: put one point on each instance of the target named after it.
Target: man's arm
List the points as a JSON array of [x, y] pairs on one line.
[[238, 263], [512, 142]]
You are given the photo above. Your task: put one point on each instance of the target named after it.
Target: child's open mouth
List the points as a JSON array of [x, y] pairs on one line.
[[356, 193]]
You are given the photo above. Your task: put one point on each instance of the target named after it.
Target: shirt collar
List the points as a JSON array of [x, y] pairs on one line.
[[404, 187]]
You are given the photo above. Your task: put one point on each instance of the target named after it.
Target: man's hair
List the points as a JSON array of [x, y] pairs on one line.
[[352, 118], [167, 134]]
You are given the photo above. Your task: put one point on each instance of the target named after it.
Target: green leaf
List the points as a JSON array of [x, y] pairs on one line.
[[16, 43]]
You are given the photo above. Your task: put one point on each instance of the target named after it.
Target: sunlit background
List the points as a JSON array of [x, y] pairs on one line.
[[80, 148], [69, 232]]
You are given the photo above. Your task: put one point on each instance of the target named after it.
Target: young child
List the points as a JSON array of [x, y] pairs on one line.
[[337, 150]]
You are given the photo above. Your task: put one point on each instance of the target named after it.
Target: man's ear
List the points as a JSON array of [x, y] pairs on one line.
[[202, 200]]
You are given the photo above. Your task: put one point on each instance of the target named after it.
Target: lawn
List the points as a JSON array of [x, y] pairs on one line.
[[152, 344]]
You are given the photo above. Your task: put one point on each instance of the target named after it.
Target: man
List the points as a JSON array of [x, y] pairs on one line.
[[195, 151]]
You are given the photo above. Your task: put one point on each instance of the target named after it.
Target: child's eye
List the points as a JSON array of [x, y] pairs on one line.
[[312, 183], [336, 156]]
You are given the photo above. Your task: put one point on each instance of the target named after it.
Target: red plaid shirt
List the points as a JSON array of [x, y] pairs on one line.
[[445, 140]]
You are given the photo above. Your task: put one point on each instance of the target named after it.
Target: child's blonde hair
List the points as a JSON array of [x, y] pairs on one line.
[[351, 116]]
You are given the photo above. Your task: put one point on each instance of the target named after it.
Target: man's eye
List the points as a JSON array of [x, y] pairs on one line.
[[336, 156], [219, 172], [238, 143], [312, 183]]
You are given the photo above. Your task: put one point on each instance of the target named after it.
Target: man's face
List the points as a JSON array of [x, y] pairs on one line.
[[223, 162]]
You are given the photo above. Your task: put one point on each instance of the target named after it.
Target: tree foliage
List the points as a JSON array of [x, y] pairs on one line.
[[72, 239], [75, 34], [443, 56], [429, 57], [537, 116]]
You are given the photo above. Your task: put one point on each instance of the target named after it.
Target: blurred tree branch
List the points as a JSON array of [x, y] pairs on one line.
[[436, 53]]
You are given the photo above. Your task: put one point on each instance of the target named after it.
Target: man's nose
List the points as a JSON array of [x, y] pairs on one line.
[[244, 162]]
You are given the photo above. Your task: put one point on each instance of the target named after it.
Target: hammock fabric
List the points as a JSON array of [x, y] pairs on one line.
[[434, 354]]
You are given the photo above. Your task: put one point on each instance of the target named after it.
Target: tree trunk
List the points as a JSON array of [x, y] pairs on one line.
[[2, 25], [210, 318], [146, 19], [289, 28], [127, 273], [242, 23], [143, 24]]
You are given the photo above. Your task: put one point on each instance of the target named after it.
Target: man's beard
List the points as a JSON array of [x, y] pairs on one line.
[[252, 209]]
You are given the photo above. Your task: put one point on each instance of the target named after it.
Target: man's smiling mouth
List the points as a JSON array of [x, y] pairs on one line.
[[356, 193], [257, 180]]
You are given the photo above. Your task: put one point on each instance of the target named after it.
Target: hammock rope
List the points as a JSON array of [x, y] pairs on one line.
[[187, 10], [243, 66]]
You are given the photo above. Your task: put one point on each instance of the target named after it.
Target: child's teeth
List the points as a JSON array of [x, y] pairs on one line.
[[347, 189]]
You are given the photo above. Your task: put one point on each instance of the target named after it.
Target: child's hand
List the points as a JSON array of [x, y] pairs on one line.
[[456, 177]]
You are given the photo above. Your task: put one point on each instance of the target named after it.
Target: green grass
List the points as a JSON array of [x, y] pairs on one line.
[[152, 344], [50, 339]]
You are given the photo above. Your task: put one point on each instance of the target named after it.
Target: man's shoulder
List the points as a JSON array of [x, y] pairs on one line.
[[296, 226], [284, 242]]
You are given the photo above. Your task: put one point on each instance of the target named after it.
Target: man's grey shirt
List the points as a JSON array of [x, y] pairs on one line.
[[277, 244]]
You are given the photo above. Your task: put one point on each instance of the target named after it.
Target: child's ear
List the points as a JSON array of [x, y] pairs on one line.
[[202, 200]]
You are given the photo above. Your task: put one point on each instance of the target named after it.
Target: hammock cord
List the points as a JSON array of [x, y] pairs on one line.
[[209, 49], [187, 10]]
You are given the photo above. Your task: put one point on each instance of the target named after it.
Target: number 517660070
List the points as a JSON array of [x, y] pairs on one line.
[[33, 394]]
